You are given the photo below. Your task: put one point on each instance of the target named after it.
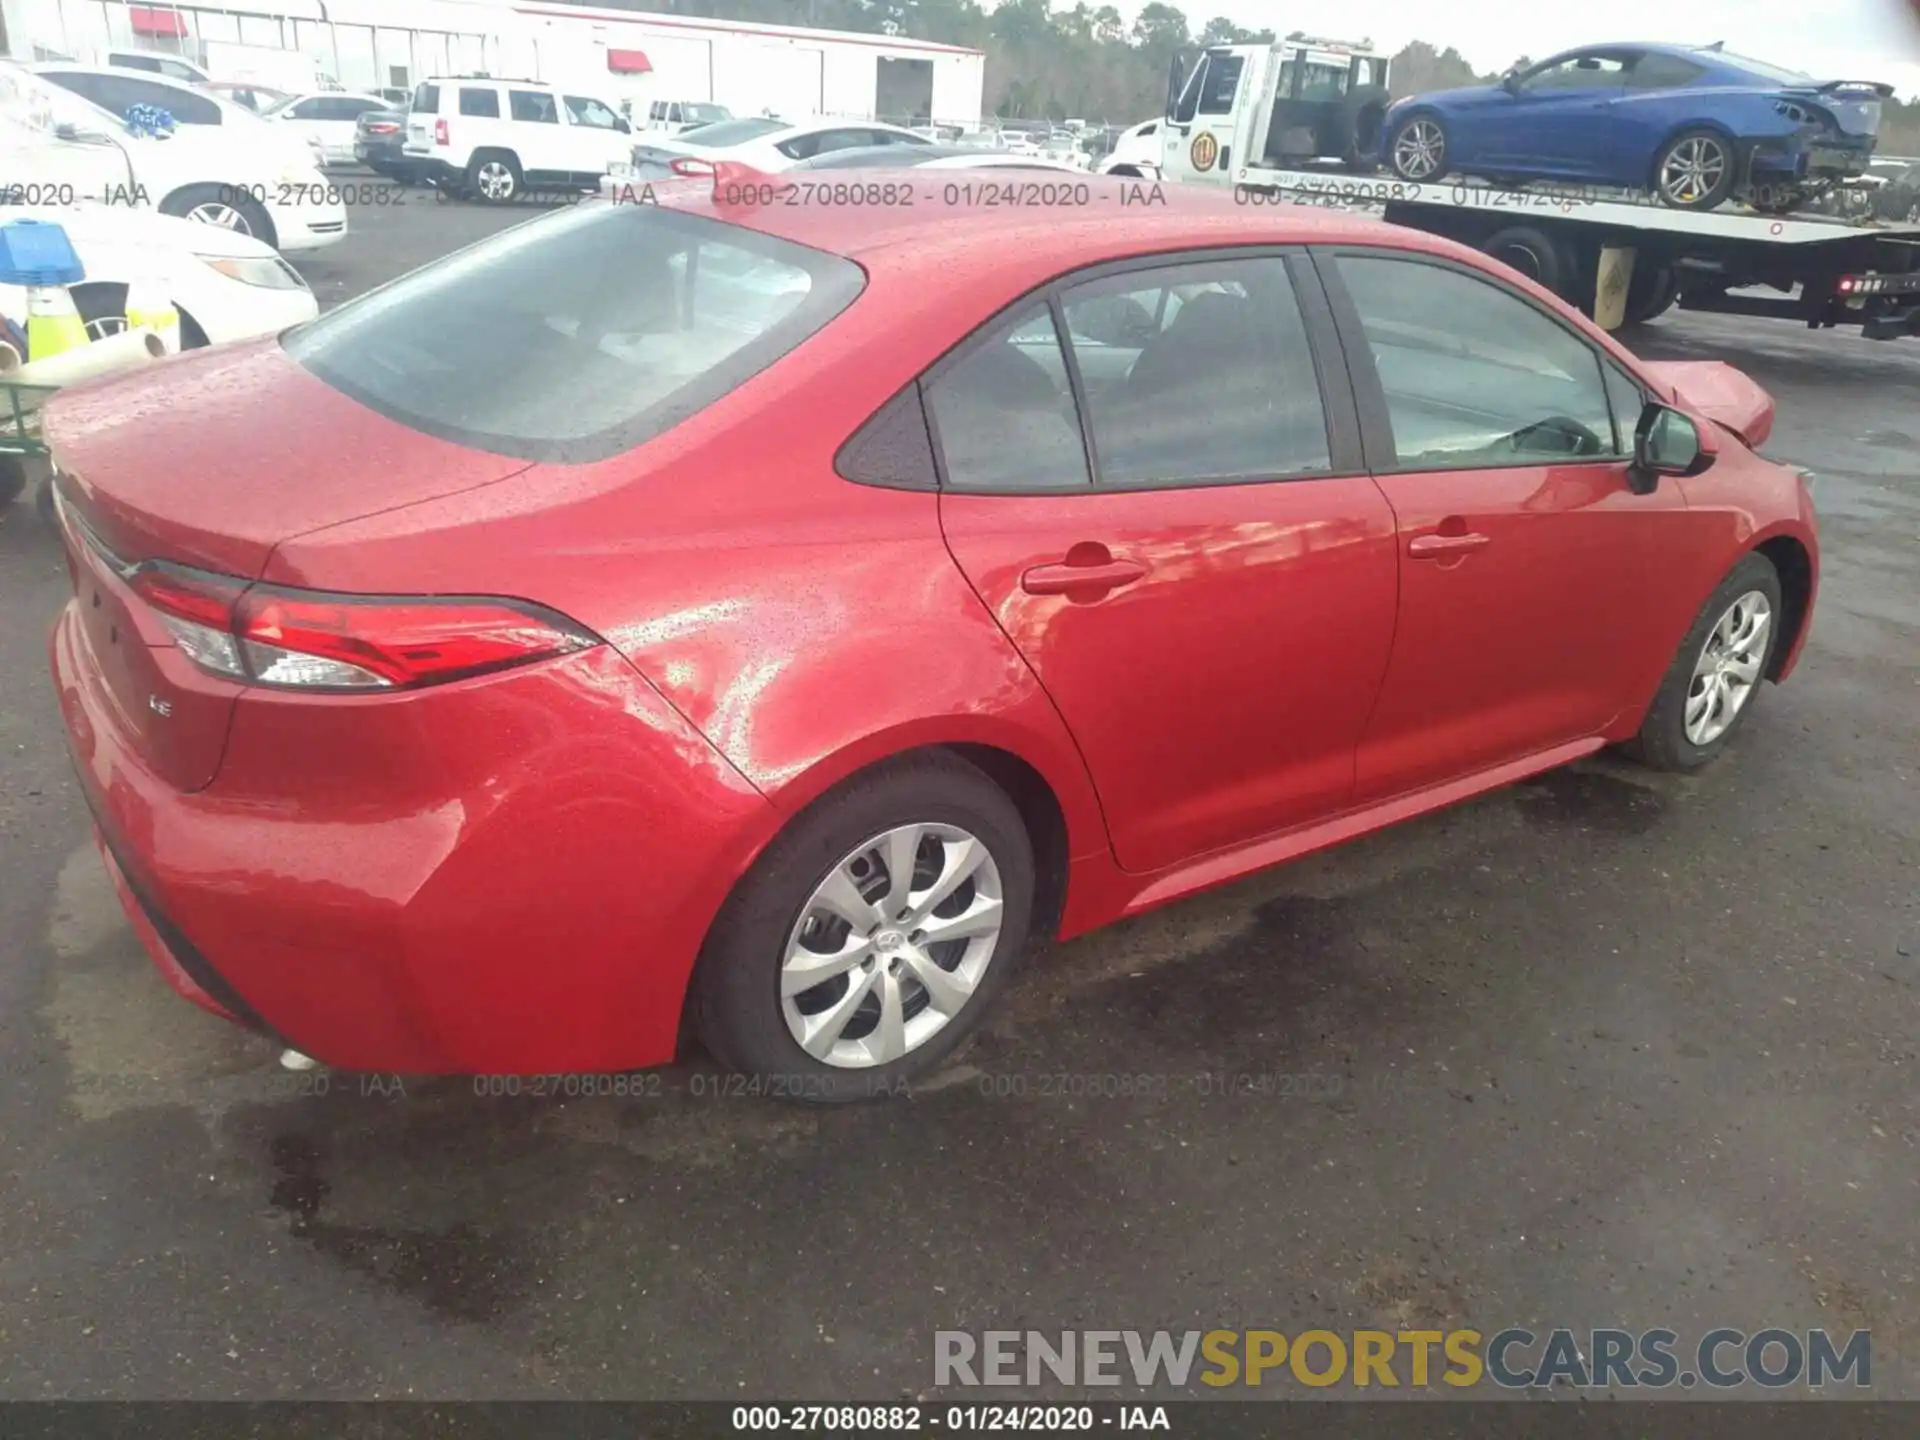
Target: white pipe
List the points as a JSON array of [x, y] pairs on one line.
[[9, 358], [125, 351]]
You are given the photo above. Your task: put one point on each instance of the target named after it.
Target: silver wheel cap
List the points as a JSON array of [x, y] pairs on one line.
[[1728, 669], [495, 180], [225, 216], [1419, 149], [1693, 169], [891, 946]]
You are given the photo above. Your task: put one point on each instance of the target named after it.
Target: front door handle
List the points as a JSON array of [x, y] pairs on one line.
[[1088, 572], [1439, 547]]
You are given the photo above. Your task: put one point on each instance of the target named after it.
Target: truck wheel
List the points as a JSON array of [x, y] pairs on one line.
[[1652, 293], [1418, 149], [494, 175], [1694, 170], [1532, 252]]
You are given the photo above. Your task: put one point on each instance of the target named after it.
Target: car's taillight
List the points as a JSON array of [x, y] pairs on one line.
[[382, 127], [310, 640], [440, 133]]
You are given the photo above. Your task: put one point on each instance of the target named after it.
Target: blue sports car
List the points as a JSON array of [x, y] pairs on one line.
[[1693, 125]]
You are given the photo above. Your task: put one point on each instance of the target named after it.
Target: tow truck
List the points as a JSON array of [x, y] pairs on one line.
[[1299, 121]]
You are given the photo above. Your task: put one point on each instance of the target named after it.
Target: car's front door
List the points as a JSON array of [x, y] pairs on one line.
[[596, 136], [1530, 570], [1210, 600], [1566, 117], [538, 135]]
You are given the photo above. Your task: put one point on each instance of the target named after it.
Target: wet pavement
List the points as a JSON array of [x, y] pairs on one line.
[[1607, 1048]]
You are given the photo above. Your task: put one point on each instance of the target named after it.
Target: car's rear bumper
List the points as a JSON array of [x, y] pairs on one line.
[[1809, 157], [377, 886]]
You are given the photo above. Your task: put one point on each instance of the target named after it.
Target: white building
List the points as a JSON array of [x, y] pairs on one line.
[[618, 54]]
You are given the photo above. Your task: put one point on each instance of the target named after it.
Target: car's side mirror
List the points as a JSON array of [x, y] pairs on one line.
[[623, 127], [1666, 442], [1510, 82]]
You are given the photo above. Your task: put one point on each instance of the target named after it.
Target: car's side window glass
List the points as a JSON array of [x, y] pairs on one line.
[[1223, 82], [587, 111], [1581, 72], [533, 106], [1475, 376], [1003, 414], [309, 110], [1663, 72], [1198, 373], [482, 103], [1628, 400]]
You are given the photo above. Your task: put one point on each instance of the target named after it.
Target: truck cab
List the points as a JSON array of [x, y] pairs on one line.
[[1293, 103]]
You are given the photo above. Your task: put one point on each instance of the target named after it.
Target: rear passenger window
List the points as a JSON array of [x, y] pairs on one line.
[[1198, 373], [1003, 416], [482, 103], [1475, 376], [534, 105]]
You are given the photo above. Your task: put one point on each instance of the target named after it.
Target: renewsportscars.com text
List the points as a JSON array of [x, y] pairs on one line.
[[1513, 1358]]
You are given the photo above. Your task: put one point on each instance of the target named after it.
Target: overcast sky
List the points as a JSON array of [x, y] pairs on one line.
[[1834, 39]]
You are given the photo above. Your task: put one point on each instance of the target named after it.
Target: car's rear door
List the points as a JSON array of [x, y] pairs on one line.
[[1173, 529], [1532, 576]]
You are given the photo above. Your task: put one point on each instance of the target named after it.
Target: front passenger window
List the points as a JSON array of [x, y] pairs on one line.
[[1473, 375]]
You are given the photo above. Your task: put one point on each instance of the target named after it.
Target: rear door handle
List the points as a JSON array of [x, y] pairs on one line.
[[1089, 578], [1437, 547]]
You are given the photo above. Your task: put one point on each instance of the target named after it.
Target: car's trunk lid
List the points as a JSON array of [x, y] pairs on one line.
[[213, 459], [209, 462]]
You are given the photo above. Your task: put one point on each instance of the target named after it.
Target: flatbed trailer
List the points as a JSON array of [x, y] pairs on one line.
[[1270, 120], [1624, 258]]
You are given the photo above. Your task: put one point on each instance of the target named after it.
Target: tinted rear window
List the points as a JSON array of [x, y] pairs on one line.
[[426, 99], [578, 335]]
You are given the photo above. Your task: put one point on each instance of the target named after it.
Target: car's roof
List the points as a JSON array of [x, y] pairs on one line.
[[893, 157]]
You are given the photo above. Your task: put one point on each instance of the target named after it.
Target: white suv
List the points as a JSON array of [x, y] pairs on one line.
[[499, 139]]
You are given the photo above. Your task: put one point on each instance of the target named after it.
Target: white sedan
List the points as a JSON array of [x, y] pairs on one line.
[[226, 285], [765, 143], [327, 121]]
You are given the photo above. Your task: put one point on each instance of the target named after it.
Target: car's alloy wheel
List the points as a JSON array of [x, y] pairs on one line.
[[227, 217], [891, 945], [494, 180], [1729, 668], [1714, 679], [1419, 150], [1694, 171], [870, 937]]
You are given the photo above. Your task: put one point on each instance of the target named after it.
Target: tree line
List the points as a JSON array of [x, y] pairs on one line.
[[1049, 62]]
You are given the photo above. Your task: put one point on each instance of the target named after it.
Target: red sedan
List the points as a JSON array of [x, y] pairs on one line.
[[775, 615]]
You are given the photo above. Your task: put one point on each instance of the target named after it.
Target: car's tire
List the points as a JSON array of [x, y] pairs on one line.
[[13, 478], [1534, 253], [777, 918], [1687, 726], [227, 206], [1695, 170], [1417, 149], [495, 176]]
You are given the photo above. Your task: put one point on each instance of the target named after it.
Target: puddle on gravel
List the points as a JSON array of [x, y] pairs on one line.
[[1590, 799], [460, 1272]]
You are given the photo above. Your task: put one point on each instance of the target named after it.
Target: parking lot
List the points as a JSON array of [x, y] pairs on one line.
[[1602, 1049]]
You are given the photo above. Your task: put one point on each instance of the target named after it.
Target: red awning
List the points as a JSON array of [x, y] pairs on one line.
[[148, 21], [629, 62]]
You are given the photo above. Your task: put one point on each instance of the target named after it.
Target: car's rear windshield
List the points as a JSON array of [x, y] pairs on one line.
[[738, 132], [426, 99], [578, 335]]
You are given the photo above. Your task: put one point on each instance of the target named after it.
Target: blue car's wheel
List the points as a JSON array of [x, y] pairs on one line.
[[1694, 170], [1418, 149]]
